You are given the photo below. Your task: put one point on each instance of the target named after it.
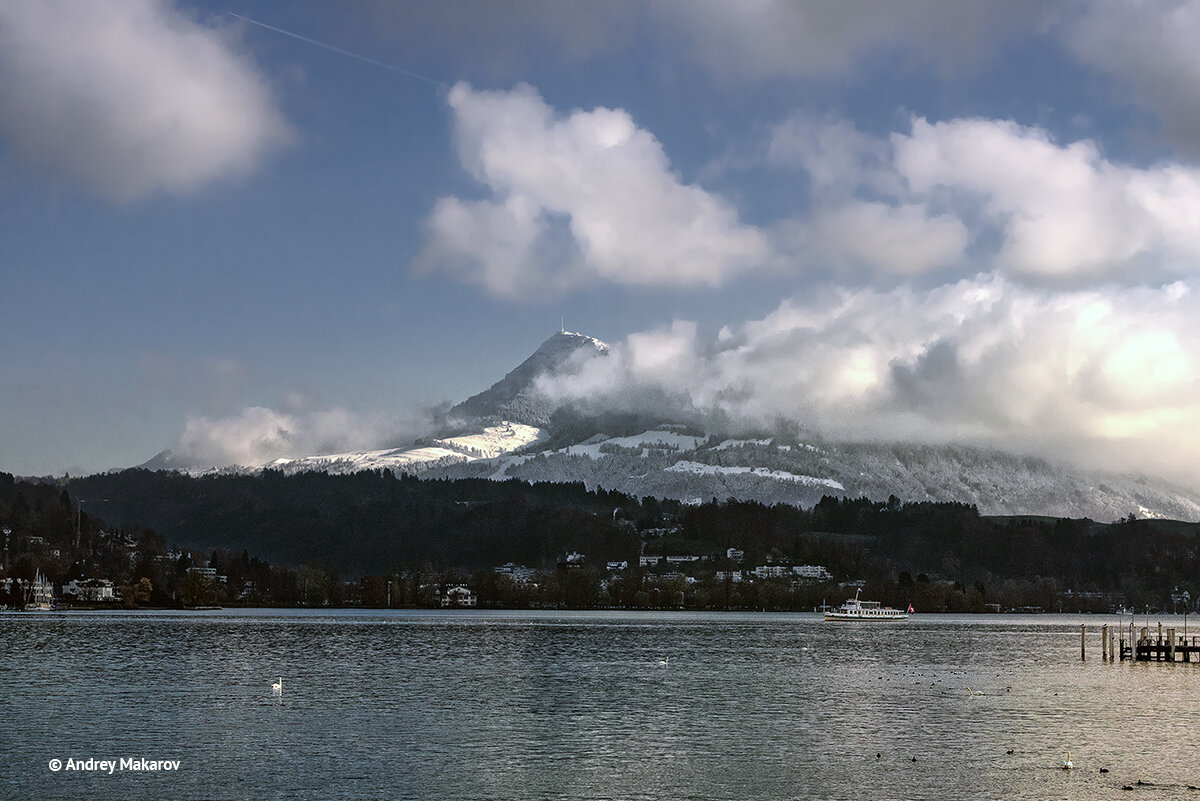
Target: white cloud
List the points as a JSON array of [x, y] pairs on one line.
[[1108, 374], [257, 434], [970, 195], [905, 239], [836, 155], [583, 197], [130, 98], [1064, 210]]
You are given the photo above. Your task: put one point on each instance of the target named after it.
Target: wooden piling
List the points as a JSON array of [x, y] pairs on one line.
[[1083, 641], [1104, 643], [1171, 645]]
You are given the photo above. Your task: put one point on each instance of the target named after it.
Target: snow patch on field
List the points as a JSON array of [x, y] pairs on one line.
[[700, 469], [492, 442], [737, 443], [495, 441], [647, 441]]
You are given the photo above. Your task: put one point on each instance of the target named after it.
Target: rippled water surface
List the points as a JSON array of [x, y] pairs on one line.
[[556, 705]]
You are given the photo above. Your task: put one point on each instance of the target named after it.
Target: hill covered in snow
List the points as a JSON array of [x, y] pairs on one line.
[[666, 463]]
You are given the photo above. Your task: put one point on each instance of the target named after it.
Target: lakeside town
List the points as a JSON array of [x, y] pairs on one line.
[[125, 573]]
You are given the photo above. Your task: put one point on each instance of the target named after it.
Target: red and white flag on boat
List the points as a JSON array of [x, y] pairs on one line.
[[910, 609]]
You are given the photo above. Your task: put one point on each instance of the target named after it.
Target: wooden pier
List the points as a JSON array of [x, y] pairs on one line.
[[1143, 645]]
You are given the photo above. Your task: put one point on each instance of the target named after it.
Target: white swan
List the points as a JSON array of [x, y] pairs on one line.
[[664, 662], [277, 687], [1067, 763], [974, 692]]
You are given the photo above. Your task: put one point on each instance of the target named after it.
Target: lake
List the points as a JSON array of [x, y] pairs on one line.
[[564, 705]]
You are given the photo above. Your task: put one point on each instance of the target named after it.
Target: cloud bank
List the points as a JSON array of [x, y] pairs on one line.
[[130, 98], [586, 197], [257, 435], [1101, 376]]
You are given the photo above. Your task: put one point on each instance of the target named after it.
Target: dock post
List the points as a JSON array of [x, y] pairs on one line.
[[1083, 641], [1104, 643], [1171, 645]]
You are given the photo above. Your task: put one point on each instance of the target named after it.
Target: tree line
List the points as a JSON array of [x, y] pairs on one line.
[[377, 539]]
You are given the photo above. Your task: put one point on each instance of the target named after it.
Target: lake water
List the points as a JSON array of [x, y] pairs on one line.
[[564, 705]]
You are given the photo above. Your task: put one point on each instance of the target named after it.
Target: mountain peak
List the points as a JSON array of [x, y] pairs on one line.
[[511, 397]]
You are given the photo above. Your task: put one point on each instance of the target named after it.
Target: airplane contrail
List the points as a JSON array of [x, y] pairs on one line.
[[389, 67]]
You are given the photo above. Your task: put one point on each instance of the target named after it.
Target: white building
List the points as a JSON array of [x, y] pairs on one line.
[[648, 561], [615, 567], [459, 595], [90, 590], [735, 555], [680, 560], [520, 574], [729, 575], [812, 572]]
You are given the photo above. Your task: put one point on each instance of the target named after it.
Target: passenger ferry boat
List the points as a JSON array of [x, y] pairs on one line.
[[854, 609]]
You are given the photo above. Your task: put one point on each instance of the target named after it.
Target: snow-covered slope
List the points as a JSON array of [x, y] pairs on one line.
[[665, 464], [491, 442]]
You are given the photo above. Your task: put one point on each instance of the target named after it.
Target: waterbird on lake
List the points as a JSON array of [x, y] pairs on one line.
[[664, 662], [277, 687], [974, 692], [1067, 763]]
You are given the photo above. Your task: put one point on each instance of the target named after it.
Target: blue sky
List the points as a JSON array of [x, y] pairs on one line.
[[970, 222]]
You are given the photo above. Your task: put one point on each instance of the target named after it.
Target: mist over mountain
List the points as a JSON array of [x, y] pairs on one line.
[[514, 397], [578, 410]]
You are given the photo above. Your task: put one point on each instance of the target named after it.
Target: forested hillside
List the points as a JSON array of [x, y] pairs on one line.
[[373, 522]]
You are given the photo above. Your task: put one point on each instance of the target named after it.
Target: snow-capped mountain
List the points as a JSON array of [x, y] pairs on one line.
[[506, 417], [512, 398], [503, 433]]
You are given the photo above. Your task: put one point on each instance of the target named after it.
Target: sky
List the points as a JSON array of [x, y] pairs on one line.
[[244, 230]]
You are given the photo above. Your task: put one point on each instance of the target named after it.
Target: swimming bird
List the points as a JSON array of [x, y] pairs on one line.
[[974, 692], [1067, 763], [664, 662], [277, 687]]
